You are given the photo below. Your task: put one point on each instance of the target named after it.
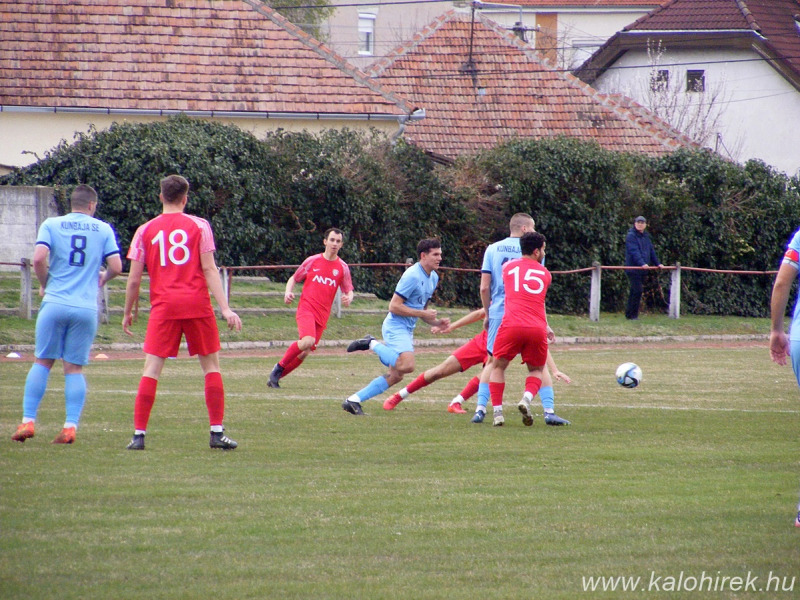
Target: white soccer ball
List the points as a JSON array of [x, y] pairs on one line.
[[629, 375]]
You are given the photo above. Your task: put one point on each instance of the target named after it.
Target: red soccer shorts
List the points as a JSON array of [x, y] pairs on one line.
[[530, 342], [307, 325], [163, 337], [473, 352]]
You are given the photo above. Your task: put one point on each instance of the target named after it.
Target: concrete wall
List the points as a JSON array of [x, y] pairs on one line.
[[22, 211]]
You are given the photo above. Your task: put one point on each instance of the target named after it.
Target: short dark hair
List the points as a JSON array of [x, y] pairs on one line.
[[82, 196], [173, 188], [331, 230], [533, 240], [427, 245]]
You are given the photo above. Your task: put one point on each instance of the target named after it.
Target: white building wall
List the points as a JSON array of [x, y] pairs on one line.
[[25, 136], [760, 109]]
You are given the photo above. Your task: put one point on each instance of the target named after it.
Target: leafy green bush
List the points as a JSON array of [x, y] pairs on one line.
[[270, 200]]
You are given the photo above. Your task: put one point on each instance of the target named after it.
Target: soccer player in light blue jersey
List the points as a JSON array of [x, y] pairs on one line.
[[780, 344], [409, 303], [493, 300], [69, 253]]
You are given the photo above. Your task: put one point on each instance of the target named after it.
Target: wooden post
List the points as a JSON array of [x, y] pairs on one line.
[[594, 293], [25, 289], [337, 303], [226, 288], [675, 293]]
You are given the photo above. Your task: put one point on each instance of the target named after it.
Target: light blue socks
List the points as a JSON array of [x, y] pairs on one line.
[[35, 387], [74, 396], [483, 395], [548, 398], [374, 387]]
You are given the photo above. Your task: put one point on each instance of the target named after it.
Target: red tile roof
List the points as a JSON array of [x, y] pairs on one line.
[[175, 55], [768, 26], [588, 3], [690, 15], [513, 93]]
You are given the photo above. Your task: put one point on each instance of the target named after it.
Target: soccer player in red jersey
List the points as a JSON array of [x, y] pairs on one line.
[[178, 251], [523, 329], [323, 274]]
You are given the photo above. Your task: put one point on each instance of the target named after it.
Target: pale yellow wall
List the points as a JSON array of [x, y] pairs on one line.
[[40, 132]]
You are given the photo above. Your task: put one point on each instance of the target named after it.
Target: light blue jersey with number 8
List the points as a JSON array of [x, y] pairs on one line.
[[79, 244]]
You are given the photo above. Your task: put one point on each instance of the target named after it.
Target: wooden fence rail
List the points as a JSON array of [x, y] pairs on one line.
[[227, 274]]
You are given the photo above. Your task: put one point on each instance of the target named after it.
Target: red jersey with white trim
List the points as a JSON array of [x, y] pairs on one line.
[[322, 278], [170, 247], [526, 282]]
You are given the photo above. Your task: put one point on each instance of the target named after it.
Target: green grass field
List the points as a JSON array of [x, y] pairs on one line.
[[694, 472]]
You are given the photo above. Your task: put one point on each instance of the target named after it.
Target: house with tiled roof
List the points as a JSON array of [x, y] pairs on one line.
[[66, 65], [566, 31], [481, 85], [741, 55]]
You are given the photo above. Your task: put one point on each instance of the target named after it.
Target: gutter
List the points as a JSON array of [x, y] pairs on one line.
[[211, 114]]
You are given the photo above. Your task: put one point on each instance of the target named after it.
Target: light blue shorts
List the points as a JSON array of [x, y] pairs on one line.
[[794, 354], [494, 326], [399, 340], [65, 332]]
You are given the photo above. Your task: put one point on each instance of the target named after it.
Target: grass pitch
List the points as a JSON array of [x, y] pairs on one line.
[[695, 471]]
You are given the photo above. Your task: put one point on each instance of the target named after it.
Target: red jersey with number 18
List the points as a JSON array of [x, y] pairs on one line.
[[526, 282], [170, 247]]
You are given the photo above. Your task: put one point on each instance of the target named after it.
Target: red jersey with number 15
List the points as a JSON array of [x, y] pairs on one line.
[[170, 247], [322, 278], [526, 282]]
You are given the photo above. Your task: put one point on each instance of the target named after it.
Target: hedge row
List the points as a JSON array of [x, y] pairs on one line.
[[269, 201]]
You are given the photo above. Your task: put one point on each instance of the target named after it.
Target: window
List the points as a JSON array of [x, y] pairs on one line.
[[659, 80], [696, 81], [366, 34]]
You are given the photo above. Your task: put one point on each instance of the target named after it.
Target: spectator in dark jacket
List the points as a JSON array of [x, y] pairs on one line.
[[639, 252]]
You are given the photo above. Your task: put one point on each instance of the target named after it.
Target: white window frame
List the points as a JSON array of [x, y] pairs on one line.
[[366, 27]]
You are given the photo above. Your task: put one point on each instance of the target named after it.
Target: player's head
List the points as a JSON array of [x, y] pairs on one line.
[[425, 246], [640, 223], [174, 189], [333, 240], [521, 223], [83, 199], [532, 244], [430, 253]]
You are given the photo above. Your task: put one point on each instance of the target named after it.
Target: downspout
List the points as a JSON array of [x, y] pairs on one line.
[[416, 115]]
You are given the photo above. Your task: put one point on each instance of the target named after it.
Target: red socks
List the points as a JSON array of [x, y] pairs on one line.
[[292, 352], [471, 388], [417, 384], [145, 398], [215, 398], [496, 392], [532, 385]]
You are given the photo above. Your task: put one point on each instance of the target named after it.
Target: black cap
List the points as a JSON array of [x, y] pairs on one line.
[[640, 219]]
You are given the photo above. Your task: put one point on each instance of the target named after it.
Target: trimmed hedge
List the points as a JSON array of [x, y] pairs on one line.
[[270, 200]]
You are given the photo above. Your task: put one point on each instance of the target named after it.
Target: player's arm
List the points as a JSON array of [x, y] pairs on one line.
[[486, 296], [468, 319], [214, 283], [347, 298], [113, 268], [397, 306], [41, 253], [778, 340], [132, 294], [288, 294], [558, 375]]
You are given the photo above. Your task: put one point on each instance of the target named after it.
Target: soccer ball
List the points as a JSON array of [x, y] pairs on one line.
[[629, 375]]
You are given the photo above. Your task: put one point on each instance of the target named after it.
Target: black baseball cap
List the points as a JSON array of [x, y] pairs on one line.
[[640, 219]]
